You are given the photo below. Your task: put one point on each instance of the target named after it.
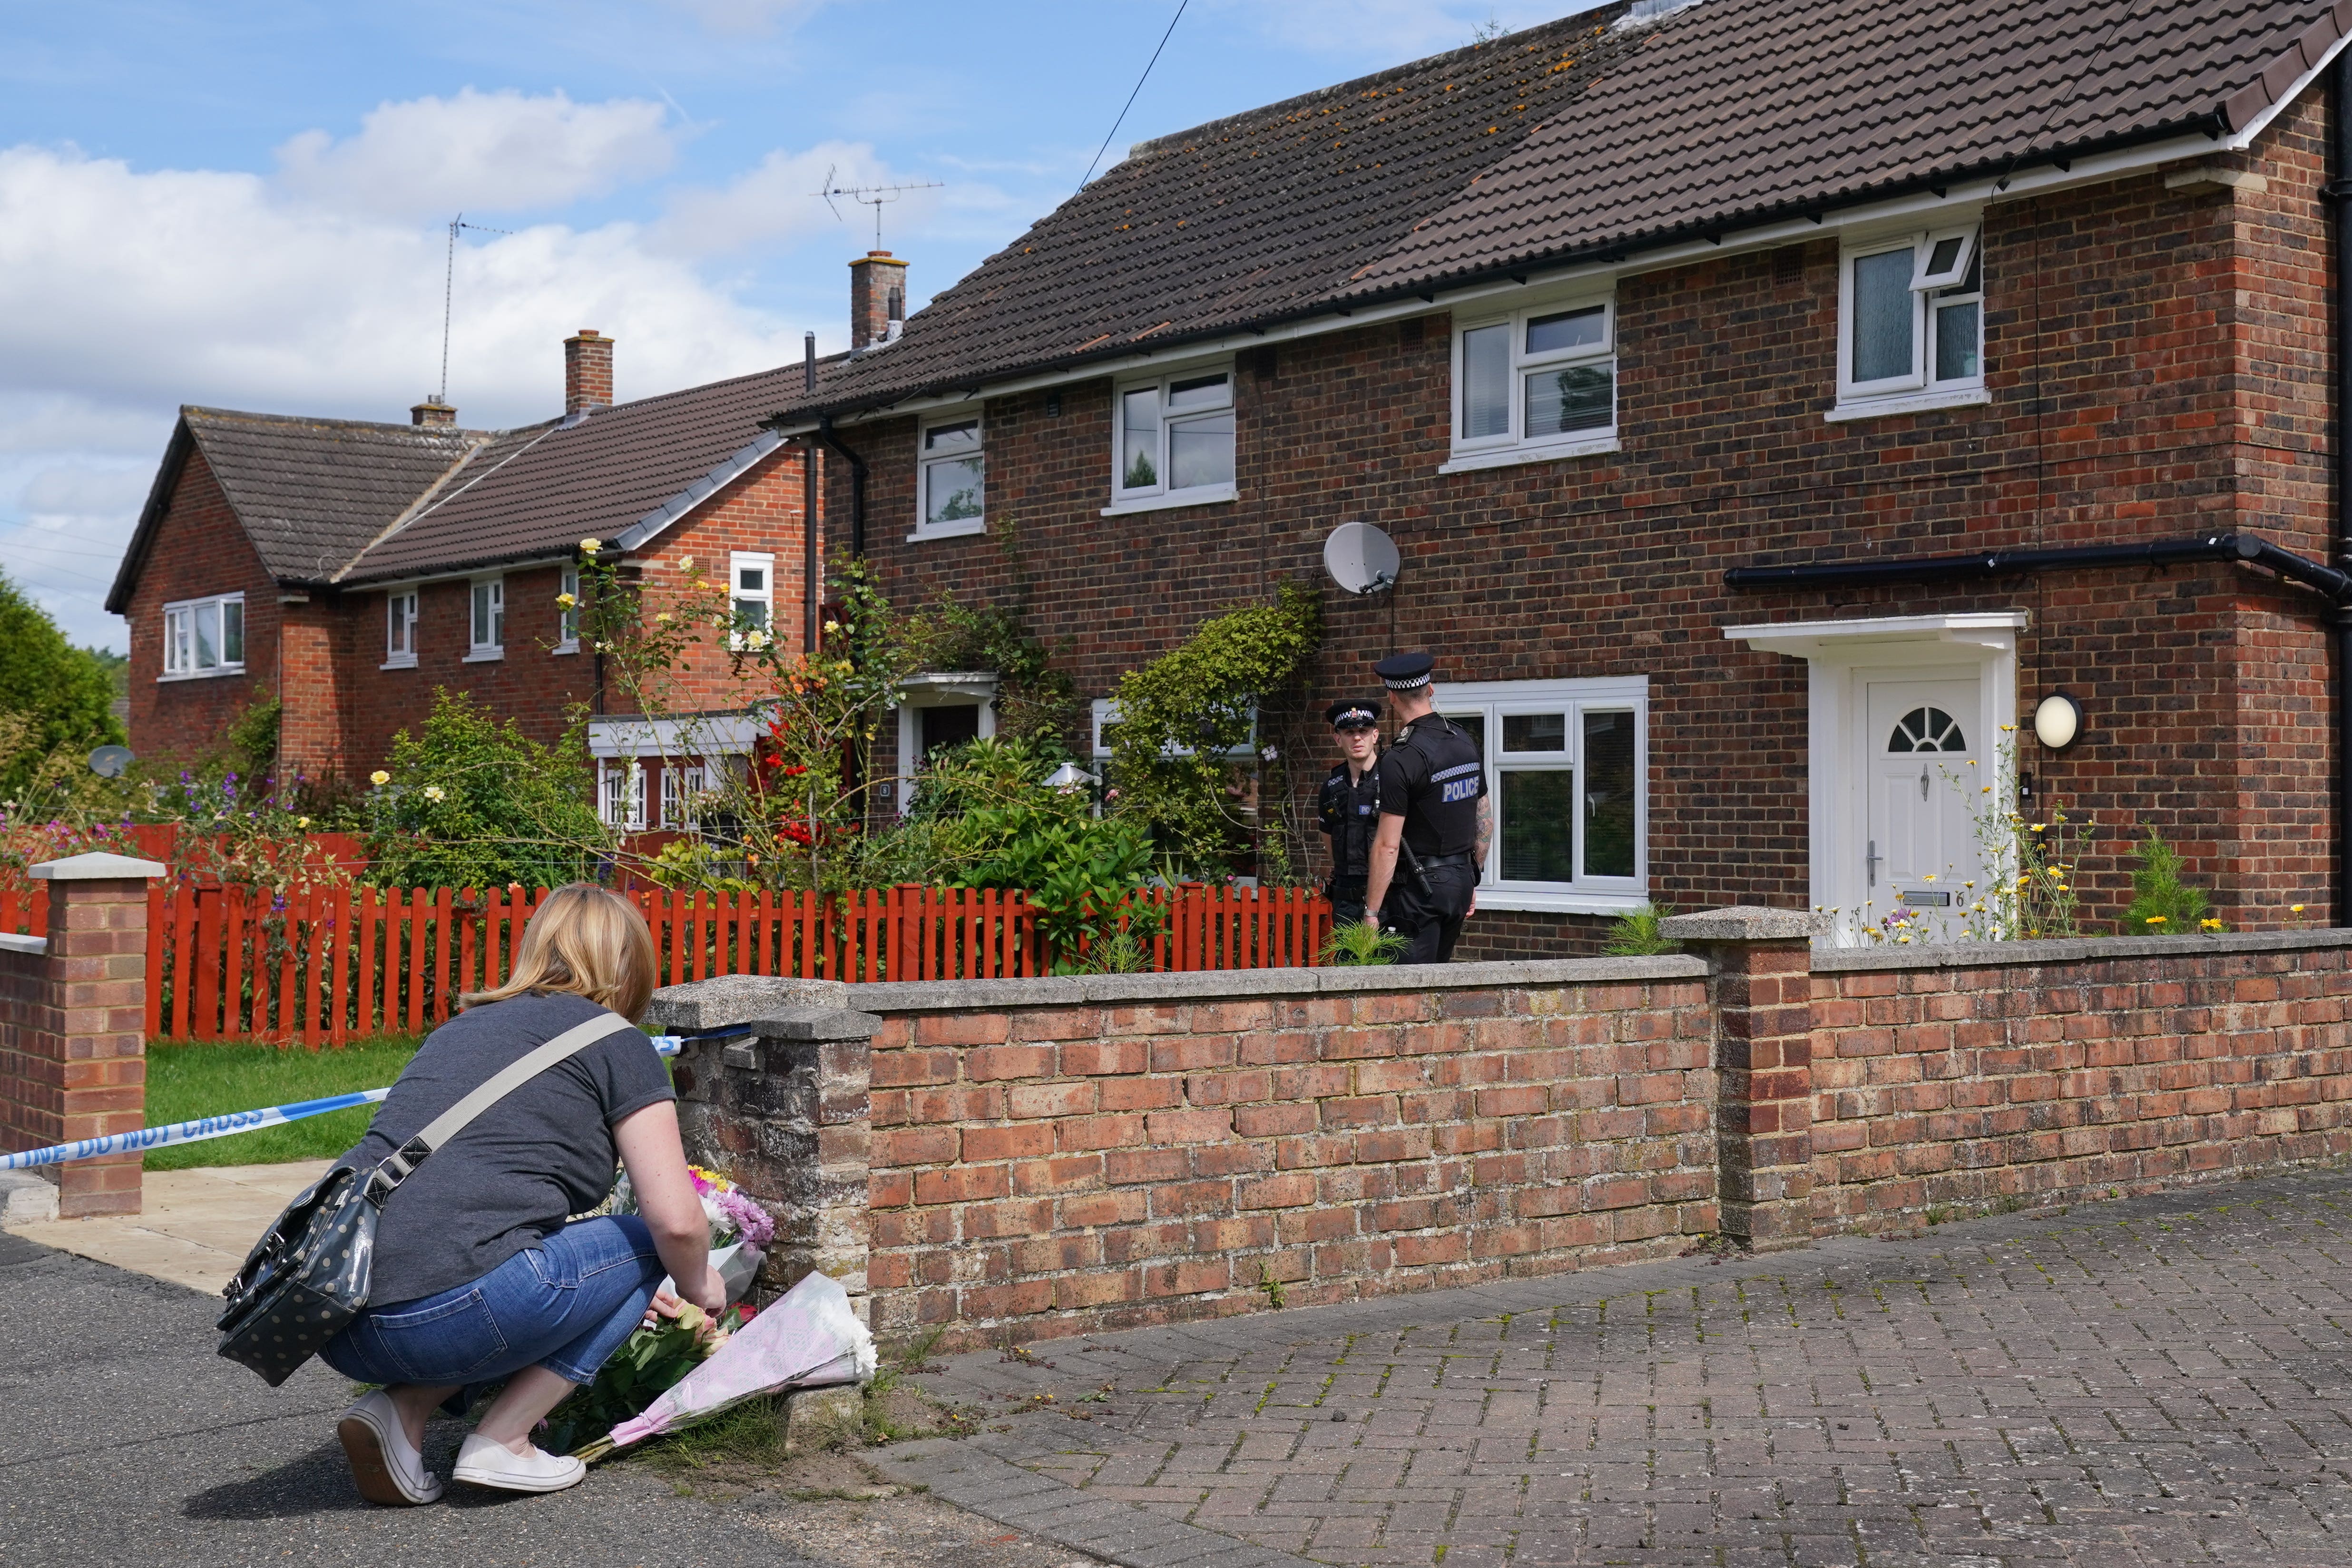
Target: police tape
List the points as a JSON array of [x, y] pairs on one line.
[[226, 1126], [196, 1132]]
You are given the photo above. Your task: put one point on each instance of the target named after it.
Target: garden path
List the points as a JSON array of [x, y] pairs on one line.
[[195, 1226], [2159, 1379]]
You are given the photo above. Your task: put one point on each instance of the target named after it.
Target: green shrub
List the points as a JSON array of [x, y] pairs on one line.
[[468, 802], [1636, 935], [1354, 945], [2162, 904]]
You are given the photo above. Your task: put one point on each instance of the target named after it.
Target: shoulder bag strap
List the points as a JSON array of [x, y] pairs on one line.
[[398, 1165]]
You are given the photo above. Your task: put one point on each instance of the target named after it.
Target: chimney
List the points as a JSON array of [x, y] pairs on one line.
[[587, 371], [432, 411], [877, 299]]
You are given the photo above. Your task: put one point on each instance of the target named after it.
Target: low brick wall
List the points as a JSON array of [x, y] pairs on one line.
[[2045, 1071]]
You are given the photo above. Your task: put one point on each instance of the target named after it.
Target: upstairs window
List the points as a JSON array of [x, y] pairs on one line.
[[567, 610], [204, 636], [953, 480], [399, 630], [1911, 323], [752, 596], [1174, 441], [1540, 383], [488, 639]]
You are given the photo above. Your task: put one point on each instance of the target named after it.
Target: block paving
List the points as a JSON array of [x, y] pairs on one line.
[[2154, 1379]]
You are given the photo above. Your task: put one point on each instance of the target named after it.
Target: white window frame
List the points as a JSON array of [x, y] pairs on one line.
[[765, 597], [1917, 388], [1493, 701], [479, 649], [680, 782], [400, 622], [925, 461], [181, 643], [1157, 496], [1513, 446], [567, 622], [621, 793]]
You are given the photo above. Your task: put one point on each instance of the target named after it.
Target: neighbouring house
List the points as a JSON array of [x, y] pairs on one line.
[[346, 569], [1771, 402]]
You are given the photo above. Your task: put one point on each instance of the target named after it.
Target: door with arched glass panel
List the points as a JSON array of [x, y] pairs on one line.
[[1926, 749]]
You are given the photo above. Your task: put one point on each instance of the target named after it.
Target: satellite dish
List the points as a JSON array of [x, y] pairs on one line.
[[107, 761], [1361, 558]]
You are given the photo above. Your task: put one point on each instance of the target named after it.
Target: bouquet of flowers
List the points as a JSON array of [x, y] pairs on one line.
[[734, 1217]]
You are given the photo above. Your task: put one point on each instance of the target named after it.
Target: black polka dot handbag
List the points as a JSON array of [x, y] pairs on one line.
[[307, 1276]]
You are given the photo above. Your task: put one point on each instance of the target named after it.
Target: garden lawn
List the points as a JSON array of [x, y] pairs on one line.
[[185, 1081]]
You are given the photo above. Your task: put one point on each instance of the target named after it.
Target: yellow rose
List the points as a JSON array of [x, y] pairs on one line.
[[566, 600], [590, 546], [686, 563], [380, 778]]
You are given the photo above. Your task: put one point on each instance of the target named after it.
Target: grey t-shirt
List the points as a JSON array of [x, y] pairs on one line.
[[509, 1180]]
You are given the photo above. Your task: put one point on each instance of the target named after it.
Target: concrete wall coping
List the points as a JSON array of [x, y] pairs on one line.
[[1742, 922], [1241, 984], [2071, 950], [98, 867], [11, 943]]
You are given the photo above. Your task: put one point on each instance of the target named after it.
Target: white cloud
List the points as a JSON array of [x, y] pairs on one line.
[[778, 201], [494, 152]]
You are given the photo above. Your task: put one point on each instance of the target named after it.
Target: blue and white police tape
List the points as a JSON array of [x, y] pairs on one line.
[[194, 1131]]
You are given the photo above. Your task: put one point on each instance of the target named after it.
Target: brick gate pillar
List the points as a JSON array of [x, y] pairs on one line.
[[1761, 967], [73, 1015]]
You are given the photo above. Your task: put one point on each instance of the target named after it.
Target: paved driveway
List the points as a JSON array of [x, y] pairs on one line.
[[2154, 1381]]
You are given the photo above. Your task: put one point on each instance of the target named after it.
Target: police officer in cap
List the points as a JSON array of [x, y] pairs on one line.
[[1349, 806], [1435, 820]]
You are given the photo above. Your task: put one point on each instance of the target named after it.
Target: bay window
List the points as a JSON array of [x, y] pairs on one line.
[[1911, 322], [1173, 442], [1567, 764], [1536, 385], [204, 637]]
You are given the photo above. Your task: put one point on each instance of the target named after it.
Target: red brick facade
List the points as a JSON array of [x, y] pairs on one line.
[[2157, 365]]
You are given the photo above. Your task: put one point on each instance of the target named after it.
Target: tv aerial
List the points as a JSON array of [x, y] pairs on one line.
[[874, 196], [1361, 559], [448, 291]]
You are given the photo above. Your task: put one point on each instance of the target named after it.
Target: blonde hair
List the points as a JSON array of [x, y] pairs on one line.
[[585, 940]]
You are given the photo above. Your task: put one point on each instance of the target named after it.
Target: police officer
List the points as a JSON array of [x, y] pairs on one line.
[[1349, 806], [1436, 820]]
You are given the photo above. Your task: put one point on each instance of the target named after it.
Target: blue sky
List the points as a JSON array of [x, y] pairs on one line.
[[242, 205]]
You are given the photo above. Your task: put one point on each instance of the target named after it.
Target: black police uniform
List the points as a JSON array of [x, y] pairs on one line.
[[1350, 810], [1433, 778]]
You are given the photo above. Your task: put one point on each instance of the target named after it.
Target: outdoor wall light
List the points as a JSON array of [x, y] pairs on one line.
[[1069, 776], [2058, 721]]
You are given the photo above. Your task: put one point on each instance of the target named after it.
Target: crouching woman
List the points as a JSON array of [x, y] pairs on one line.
[[479, 1275]]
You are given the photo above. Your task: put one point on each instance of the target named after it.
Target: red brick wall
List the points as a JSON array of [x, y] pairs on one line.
[[2028, 1082], [199, 549], [2156, 367], [1051, 1169]]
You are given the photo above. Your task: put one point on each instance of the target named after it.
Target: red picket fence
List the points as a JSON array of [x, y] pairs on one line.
[[337, 963]]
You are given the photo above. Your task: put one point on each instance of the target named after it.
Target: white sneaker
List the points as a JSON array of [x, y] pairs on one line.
[[483, 1463], [388, 1470]]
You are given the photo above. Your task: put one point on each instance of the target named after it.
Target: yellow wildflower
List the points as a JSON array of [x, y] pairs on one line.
[[2296, 908], [2156, 920], [301, 822]]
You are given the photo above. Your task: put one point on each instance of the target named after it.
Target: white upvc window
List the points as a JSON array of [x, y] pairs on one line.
[[681, 783], [1911, 322], [488, 638], [567, 610], [1539, 383], [1172, 441], [951, 482], [751, 596], [203, 637], [621, 793], [400, 629], [1568, 769]]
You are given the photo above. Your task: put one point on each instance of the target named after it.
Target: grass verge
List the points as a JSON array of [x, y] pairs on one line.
[[188, 1080]]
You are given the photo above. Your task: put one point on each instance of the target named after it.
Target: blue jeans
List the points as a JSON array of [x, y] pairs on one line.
[[566, 1305]]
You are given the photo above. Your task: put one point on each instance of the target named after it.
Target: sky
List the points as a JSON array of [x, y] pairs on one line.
[[246, 204]]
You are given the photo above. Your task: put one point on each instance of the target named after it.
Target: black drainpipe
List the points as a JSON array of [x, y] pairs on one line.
[[813, 571], [857, 486], [1994, 565], [2340, 194]]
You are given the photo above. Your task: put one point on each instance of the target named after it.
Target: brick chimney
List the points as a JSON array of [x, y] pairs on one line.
[[432, 411], [587, 371], [877, 299]]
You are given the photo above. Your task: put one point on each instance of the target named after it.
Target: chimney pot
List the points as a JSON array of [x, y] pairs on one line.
[[587, 371], [432, 411], [877, 299]]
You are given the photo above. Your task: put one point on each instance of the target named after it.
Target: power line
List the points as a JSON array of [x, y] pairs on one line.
[[1139, 88]]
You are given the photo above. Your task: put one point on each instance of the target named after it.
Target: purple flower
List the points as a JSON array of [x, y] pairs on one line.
[[753, 1224]]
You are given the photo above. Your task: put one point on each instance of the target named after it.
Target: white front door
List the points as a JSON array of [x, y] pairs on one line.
[[1923, 751]]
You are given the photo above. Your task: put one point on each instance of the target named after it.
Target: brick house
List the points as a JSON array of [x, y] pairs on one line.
[[1770, 402], [348, 568]]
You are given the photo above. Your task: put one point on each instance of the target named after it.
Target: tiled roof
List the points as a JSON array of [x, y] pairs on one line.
[[313, 492], [1581, 139], [542, 489]]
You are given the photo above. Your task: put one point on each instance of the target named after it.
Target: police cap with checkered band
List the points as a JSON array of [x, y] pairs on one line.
[[1404, 671]]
